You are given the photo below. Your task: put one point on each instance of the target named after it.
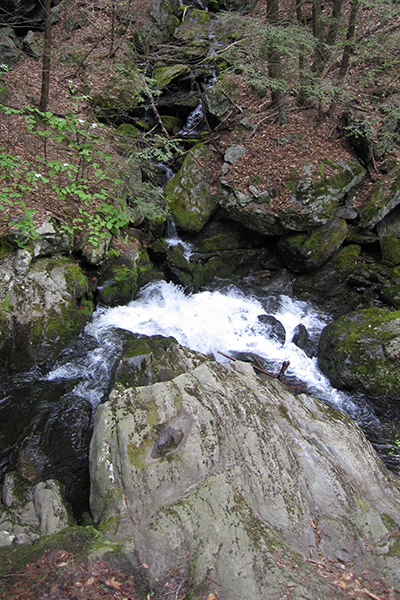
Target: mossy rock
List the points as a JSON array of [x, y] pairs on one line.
[[390, 294], [146, 270], [119, 282], [388, 231], [164, 75], [146, 361], [179, 267], [128, 130], [303, 253], [195, 27], [316, 197], [158, 25], [360, 351], [172, 124], [220, 97], [84, 543], [123, 94], [187, 195], [235, 263], [330, 279], [384, 197], [42, 312]]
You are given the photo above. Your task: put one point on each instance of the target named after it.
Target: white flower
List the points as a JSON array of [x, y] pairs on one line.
[[93, 125], [37, 175], [81, 121], [65, 165]]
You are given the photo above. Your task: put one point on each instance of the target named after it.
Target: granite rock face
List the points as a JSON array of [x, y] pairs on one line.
[[217, 472]]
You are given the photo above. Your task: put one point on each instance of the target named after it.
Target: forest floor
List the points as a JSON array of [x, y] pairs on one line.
[[83, 62]]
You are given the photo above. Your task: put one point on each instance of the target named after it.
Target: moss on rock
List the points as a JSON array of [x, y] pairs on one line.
[[360, 351], [188, 198]]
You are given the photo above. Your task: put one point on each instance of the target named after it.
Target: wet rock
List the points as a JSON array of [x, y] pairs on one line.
[[301, 338], [183, 272], [251, 467], [360, 351], [65, 442], [118, 281], [187, 195], [303, 253], [384, 197], [150, 360], [235, 263], [273, 328]]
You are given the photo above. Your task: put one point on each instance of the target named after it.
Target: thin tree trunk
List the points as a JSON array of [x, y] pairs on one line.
[[44, 97], [334, 22], [320, 51], [348, 47], [111, 50], [301, 96], [274, 64]]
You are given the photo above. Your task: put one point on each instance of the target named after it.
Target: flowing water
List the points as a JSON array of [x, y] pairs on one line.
[[222, 322]]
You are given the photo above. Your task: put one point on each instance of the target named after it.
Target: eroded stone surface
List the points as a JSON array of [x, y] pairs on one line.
[[255, 472]]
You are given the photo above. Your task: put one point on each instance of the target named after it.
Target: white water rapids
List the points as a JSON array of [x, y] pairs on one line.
[[225, 321]]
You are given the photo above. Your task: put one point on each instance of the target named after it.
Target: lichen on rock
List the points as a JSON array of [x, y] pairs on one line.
[[248, 468]]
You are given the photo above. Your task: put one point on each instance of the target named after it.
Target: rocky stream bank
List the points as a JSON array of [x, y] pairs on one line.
[[207, 480]]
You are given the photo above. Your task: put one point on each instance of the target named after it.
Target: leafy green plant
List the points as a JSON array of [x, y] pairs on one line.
[[80, 177]]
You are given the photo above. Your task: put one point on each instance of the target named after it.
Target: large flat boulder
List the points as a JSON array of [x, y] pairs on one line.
[[234, 484]]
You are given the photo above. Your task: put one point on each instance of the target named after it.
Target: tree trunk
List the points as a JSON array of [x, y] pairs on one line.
[[334, 22], [274, 64], [301, 96], [44, 97], [349, 39], [320, 50]]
